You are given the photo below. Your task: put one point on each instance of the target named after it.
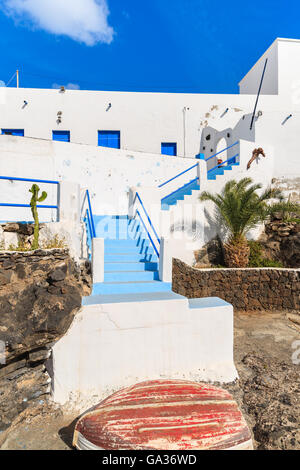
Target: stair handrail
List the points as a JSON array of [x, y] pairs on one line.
[[220, 165], [89, 214], [221, 151], [179, 174], [150, 223], [178, 189]]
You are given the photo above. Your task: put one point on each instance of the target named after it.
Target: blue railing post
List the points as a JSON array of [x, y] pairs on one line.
[[179, 174], [150, 223], [30, 180], [221, 151], [222, 164], [93, 230]]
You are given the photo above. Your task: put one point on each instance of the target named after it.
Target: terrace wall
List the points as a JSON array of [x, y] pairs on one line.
[[246, 289]]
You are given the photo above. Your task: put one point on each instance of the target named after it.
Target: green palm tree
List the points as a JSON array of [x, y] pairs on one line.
[[241, 209]]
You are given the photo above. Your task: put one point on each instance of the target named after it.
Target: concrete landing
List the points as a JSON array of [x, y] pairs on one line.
[[138, 297]]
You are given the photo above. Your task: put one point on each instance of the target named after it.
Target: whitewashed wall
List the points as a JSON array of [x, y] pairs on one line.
[[249, 84], [146, 119], [107, 173]]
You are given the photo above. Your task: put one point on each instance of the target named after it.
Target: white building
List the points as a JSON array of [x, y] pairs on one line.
[[141, 128], [144, 121]]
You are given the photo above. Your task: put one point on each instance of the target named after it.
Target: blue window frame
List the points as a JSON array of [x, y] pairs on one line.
[[19, 132], [61, 136], [111, 139], [169, 148]]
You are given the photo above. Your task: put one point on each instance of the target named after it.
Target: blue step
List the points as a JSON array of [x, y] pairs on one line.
[[106, 288], [179, 194], [130, 257], [130, 262], [130, 266], [139, 297], [142, 251], [131, 276], [127, 244]]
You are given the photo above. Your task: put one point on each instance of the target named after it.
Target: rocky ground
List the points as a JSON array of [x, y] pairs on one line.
[[268, 391]]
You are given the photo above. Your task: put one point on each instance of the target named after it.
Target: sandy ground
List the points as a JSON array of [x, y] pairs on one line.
[[268, 391]]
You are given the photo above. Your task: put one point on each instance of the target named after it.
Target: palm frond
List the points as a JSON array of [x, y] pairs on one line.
[[240, 206]]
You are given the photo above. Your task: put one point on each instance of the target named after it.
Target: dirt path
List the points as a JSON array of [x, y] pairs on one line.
[[268, 391]]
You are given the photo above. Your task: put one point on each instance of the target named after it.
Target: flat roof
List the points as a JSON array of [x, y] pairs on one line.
[[270, 47]]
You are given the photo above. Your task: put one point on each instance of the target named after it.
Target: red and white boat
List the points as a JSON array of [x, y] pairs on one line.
[[164, 415]]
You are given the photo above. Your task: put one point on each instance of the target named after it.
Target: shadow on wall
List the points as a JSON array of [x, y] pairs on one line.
[[196, 230], [211, 139], [214, 226], [193, 229]]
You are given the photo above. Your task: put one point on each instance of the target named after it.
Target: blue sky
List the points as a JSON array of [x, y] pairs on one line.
[[193, 46]]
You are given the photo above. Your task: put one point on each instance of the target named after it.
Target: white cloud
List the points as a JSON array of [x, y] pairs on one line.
[[70, 86], [84, 21], [2, 83]]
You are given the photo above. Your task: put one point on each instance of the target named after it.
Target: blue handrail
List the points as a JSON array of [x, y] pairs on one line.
[[221, 164], [89, 223], [221, 151], [147, 215], [174, 177], [178, 189], [150, 238], [3, 204], [12, 178], [93, 230], [31, 180], [150, 223]]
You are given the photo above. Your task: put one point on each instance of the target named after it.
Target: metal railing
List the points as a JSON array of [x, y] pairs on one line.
[[31, 180], [89, 214], [150, 223], [221, 151], [178, 189], [220, 165], [179, 174]]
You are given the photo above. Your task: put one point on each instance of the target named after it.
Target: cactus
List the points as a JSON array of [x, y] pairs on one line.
[[33, 203]]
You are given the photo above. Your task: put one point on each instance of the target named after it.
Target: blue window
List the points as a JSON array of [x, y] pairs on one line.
[[110, 139], [169, 148], [61, 136], [19, 132]]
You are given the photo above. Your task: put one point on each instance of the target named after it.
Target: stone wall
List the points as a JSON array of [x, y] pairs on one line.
[[246, 289], [281, 241], [40, 292]]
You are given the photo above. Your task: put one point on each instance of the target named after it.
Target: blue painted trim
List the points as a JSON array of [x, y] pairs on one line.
[[200, 156], [109, 139], [149, 220], [208, 302], [15, 132], [150, 238], [169, 148], [89, 223], [176, 190], [27, 205], [61, 136], [12, 178], [226, 161], [93, 231], [221, 151], [182, 173]]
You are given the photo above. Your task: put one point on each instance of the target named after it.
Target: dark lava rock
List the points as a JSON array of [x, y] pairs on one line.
[[35, 311]]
